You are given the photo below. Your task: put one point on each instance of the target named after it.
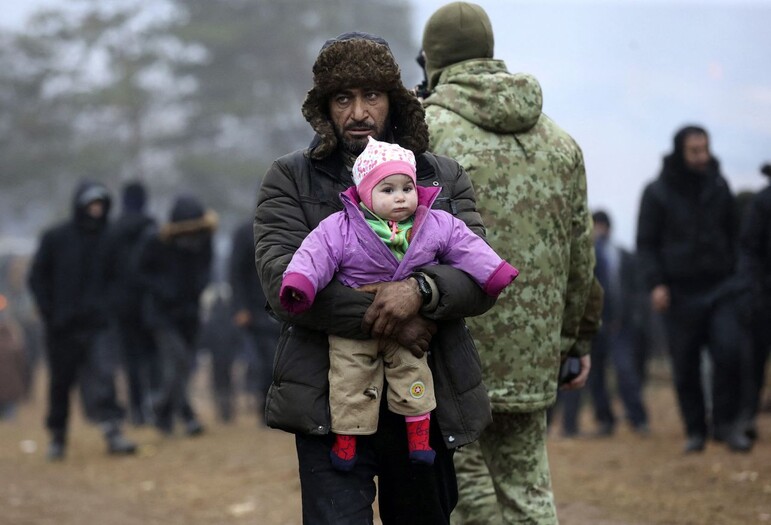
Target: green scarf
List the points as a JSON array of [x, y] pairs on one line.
[[395, 235]]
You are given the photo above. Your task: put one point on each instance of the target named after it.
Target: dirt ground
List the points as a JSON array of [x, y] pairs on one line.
[[243, 473]]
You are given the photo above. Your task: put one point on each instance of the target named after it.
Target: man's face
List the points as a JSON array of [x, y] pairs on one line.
[[358, 113], [600, 230], [95, 209], [696, 152]]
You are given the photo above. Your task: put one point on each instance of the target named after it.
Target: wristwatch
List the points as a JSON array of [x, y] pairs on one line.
[[423, 287]]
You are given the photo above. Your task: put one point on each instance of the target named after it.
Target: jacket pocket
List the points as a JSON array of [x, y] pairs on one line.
[[284, 412], [457, 357]]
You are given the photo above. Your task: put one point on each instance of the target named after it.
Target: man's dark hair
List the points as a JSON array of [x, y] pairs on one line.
[[678, 143], [601, 217]]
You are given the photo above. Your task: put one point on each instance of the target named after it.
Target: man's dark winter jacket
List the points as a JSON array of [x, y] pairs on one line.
[[124, 292], [686, 235], [296, 194], [173, 265], [65, 278], [755, 247]]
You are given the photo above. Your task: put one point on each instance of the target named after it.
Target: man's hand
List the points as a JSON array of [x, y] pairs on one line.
[[415, 334], [394, 303], [580, 380], [660, 298]]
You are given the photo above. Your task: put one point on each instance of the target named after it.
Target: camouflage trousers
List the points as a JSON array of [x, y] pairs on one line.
[[504, 477]]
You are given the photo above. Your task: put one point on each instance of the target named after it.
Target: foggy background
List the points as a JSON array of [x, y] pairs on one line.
[[201, 96]]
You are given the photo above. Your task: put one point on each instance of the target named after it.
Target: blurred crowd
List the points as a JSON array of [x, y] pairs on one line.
[[133, 298], [697, 290]]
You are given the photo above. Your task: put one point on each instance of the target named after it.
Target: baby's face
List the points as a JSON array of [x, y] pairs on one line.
[[395, 198]]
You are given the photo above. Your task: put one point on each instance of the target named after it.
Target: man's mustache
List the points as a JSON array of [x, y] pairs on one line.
[[360, 126]]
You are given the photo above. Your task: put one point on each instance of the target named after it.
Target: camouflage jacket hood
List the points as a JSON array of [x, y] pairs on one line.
[[530, 183], [483, 92]]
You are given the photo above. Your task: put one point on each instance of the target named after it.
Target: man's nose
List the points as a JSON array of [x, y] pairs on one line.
[[358, 109]]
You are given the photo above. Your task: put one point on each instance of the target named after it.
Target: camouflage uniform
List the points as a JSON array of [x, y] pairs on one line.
[[531, 190]]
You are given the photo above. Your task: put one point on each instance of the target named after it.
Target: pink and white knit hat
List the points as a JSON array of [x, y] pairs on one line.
[[378, 161]]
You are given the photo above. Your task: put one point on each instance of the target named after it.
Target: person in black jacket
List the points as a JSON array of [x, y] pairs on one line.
[[755, 270], [124, 296], [249, 314], [174, 265], [358, 92], [66, 283], [686, 240]]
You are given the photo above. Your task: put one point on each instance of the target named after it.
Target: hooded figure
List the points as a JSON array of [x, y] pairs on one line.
[[358, 93], [689, 196], [686, 239], [531, 189], [68, 288], [73, 248], [125, 296], [173, 264]]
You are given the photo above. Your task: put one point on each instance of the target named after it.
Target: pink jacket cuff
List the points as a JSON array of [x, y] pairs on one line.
[[296, 284], [500, 279]]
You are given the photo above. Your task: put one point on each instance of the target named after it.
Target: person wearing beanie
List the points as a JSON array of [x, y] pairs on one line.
[[358, 93], [686, 241], [124, 300], [173, 264], [134, 196], [387, 202], [531, 190], [754, 269], [67, 287]]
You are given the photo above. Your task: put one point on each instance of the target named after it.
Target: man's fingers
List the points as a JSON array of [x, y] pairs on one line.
[[379, 327], [370, 316], [416, 350], [389, 327]]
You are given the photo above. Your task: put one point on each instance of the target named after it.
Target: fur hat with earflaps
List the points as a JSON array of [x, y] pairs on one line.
[[362, 60]]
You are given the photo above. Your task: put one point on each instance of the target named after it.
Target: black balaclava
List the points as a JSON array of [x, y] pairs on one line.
[[134, 197]]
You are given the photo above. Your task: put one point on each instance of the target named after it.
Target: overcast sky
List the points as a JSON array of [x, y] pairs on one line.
[[622, 75]]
